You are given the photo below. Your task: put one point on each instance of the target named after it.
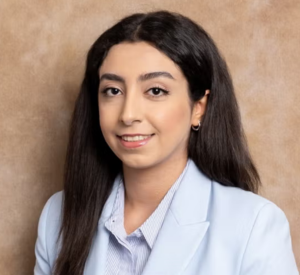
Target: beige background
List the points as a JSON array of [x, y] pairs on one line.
[[42, 54]]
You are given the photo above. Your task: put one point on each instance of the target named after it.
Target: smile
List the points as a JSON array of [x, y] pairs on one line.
[[134, 141], [134, 138]]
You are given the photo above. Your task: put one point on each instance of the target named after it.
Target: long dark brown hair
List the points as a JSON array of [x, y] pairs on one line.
[[219, 148]]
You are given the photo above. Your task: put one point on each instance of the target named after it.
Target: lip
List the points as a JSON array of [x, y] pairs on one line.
[[134, 144], [132, 135]]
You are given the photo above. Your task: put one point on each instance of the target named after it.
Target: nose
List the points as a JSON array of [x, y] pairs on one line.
[[132, 108]]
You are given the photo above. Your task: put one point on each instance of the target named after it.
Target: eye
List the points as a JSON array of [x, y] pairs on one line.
[[157, 92], [110, 92]]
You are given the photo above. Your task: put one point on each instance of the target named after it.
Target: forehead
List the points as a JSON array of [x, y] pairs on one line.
[[132, 59]]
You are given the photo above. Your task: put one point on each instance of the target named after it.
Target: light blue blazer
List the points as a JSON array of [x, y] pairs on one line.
[[208, 230]]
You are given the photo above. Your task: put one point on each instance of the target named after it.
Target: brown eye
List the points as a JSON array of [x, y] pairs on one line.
[[157, 92], [111, 91]]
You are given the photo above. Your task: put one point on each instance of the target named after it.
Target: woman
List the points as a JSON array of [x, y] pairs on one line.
[[158, 176]]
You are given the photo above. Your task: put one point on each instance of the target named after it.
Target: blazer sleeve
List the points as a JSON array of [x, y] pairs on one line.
[[42, 266], [269, 248]]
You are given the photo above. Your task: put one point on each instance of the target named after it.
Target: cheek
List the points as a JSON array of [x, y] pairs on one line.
[[105, 118], [106, 126], [102, 118], [174, 119]]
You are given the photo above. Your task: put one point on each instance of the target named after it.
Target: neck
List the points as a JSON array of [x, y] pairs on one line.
[[145, 188]]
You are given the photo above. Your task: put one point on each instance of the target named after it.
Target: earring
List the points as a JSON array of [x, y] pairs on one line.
[[197, 127]]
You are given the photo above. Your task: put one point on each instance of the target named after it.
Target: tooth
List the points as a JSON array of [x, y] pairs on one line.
[[135, 138]]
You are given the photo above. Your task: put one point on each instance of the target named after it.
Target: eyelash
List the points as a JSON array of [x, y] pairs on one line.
[[164, 91]]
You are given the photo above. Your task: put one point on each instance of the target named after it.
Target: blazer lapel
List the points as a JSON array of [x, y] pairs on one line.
[[97, 257], [184, 227]]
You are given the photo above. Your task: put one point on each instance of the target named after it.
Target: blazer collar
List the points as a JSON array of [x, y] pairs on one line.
[[191, 201], [184, 227], [182, 231]]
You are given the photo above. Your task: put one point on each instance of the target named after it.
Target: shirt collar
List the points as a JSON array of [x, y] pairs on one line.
[[150, 228], [115, 223]]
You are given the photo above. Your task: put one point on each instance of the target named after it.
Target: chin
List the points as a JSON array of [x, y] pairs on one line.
[[137, 162]]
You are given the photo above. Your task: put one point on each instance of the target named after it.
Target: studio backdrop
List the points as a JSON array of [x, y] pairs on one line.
[[43, 46]]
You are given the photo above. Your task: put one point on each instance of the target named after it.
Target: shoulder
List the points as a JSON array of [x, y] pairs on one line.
[[51, 216], [48, 230], [53, 206], [223, 203], [239, 202], [255, 225], [232, 206], [52, 211], [238, 211]]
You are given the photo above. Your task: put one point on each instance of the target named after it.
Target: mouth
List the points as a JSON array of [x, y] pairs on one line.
[[135, 137], [135, 140]]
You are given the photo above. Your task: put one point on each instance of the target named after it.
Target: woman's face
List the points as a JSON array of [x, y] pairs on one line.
[[144, 109]]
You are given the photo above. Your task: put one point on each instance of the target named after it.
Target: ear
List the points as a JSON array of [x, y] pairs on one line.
[[199, 109]]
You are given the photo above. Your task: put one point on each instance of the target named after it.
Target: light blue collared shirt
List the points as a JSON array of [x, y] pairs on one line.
[[128, 254]]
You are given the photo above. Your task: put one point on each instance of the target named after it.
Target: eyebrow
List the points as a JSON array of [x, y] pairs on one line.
[[142, 77]]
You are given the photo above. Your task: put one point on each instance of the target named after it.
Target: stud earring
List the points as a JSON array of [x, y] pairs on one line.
[[196, 128]]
